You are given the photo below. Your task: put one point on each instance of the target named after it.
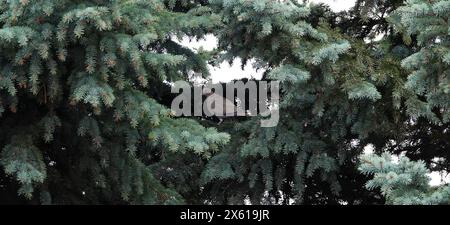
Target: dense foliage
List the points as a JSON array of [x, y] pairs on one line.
[[81, 83], [404, 182], [85, 97]]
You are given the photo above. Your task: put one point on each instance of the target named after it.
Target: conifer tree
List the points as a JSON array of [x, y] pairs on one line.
[[429, 66], [426, 93], [403, 183], [324, 106], [85, 85], [329, 112], [81, 86]]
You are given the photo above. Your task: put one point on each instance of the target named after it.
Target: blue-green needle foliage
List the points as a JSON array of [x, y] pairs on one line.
[[404, 182], [428, 23], [85, 85], [324, 104], [80, 98], [427, 94]]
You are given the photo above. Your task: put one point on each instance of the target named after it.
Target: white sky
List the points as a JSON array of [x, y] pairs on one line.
[[337, 5], [226, 72]]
